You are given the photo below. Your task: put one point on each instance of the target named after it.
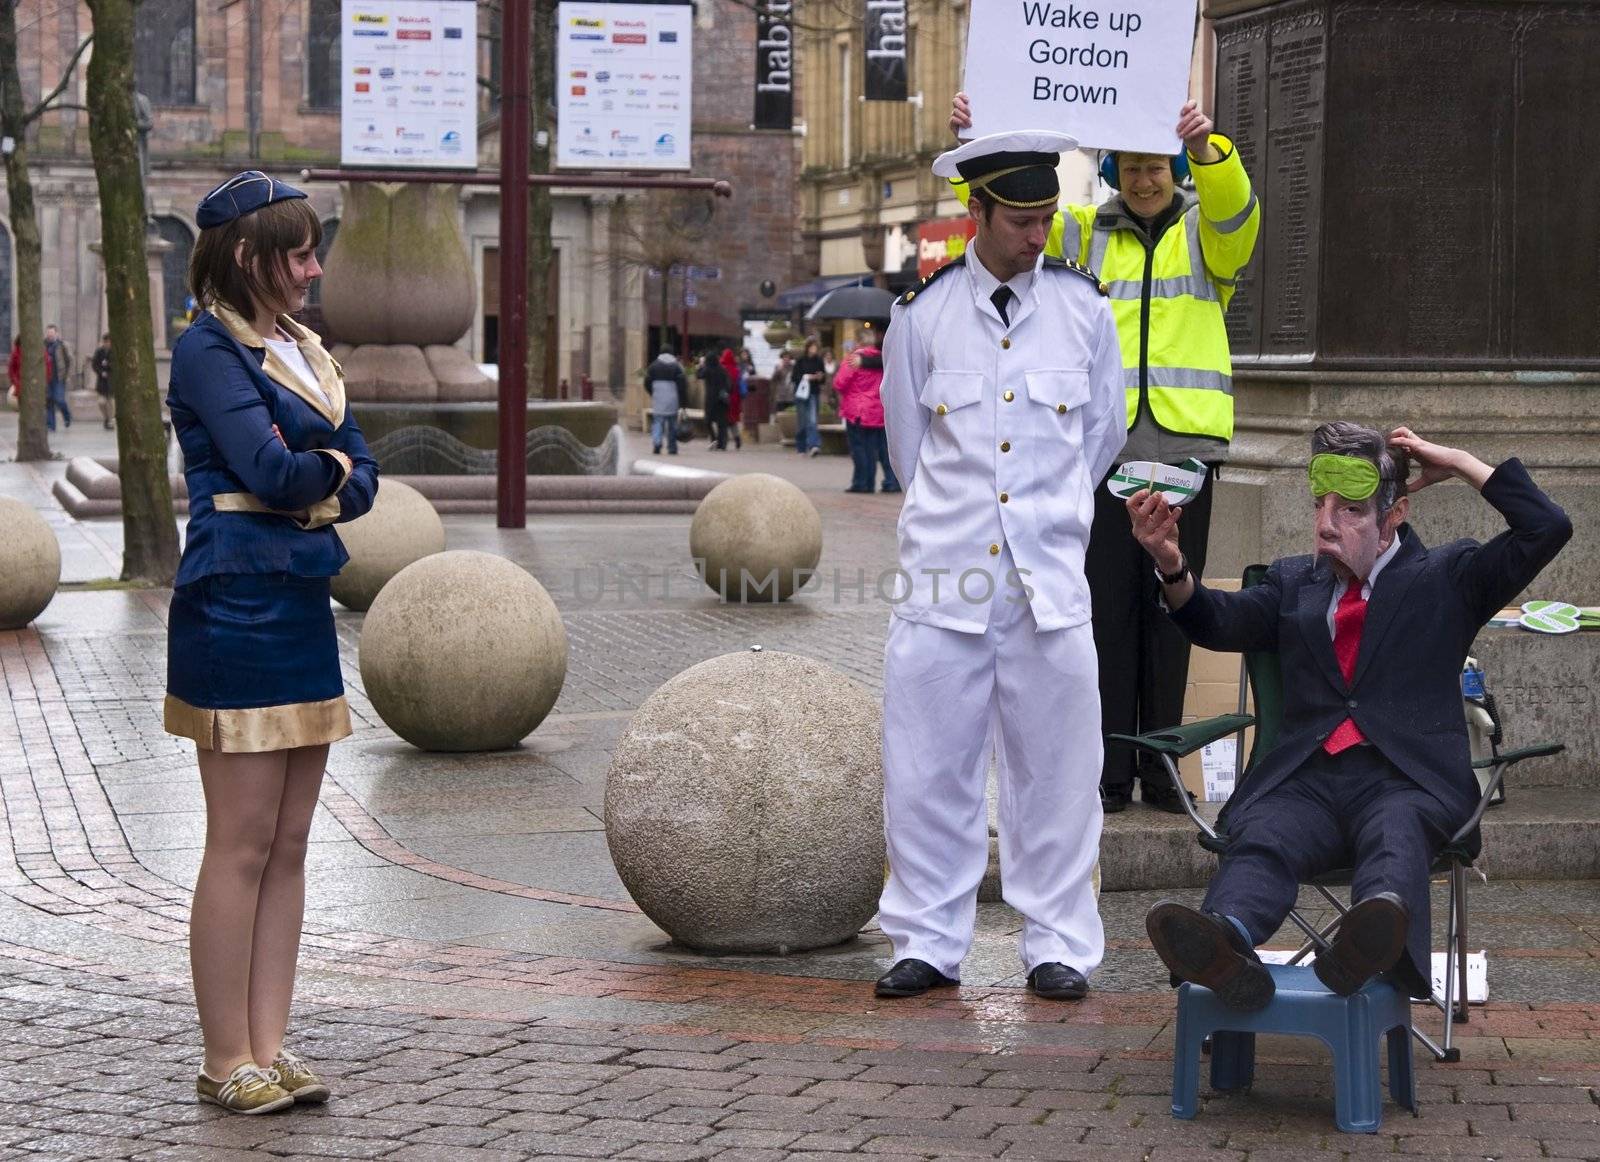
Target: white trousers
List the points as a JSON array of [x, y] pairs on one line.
[[948, 697]]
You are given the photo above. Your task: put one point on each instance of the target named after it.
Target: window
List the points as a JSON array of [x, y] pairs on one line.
[[174, 267], [322, 55], [847, 101], [163, 51], [489, 49]]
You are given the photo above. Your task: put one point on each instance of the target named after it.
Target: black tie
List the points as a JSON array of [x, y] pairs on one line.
[[1002, 300]]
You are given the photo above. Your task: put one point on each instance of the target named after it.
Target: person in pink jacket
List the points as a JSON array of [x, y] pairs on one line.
[[861, 409]]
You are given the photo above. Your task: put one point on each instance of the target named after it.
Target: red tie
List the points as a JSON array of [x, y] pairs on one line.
[[1348, 619]]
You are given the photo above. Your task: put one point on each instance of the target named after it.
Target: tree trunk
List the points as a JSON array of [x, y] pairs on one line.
[[32, 442], [542, 83], [150, 536]]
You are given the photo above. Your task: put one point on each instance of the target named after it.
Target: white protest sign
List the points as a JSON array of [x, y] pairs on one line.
[[1112, 73]]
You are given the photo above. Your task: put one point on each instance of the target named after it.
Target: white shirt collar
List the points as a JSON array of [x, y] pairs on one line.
[[984, 283], [1377, 566]]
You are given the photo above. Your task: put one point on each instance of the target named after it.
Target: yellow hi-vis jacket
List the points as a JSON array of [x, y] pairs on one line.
[[1168, 299]]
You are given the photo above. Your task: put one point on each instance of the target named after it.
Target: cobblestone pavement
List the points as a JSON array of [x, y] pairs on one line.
[[477, 984]]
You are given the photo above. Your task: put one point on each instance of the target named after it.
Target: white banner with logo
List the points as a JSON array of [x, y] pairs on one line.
[[623, 85], [1112, 73], [410, 83]]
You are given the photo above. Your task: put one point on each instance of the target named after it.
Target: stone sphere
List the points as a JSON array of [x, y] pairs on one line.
[[743, 818], [759, 536], [30, 564], [401, 528], [463, 651]]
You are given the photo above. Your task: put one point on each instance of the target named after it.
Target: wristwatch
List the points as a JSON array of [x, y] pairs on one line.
[[1174, 578]]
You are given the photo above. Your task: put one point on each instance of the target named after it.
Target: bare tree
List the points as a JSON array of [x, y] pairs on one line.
[[661, 235], [150, 536], [32, 442]]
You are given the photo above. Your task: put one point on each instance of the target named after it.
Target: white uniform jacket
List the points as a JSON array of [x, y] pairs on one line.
[[998, 435]]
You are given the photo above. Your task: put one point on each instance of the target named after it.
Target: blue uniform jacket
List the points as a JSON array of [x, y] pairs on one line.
[[258, 503]]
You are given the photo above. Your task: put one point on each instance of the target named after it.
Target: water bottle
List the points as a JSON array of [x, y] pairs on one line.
[[1472, 686]]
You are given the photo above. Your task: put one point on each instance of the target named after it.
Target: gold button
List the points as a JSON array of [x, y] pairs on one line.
[[1009, 396], [1005, 344], [1004, 496], [941, 409], [1006, 446], [994, 550], [1061, 409]]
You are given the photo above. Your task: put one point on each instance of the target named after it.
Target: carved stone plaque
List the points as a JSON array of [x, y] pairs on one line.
[[1418, 163]]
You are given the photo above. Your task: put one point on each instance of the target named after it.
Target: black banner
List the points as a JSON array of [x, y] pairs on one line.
[[774, 64], [886, 50]]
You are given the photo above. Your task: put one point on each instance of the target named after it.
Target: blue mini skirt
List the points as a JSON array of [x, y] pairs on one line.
[[253, 663]]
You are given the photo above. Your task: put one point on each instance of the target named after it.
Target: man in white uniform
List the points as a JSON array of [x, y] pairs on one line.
[[1003, 399]]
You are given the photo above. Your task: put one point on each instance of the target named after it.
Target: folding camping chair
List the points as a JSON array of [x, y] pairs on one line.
[[1265, 685]]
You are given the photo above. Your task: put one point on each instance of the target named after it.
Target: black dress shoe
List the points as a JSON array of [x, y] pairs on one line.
[[912, 978], [886, 489], [1370, 939], [1162, 797], [1210, 952], [1114, 799], [1057, 982]]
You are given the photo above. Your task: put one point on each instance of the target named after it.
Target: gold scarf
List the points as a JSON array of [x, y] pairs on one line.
[[329, 376]]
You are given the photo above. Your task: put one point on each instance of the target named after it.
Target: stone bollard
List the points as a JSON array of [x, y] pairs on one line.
[[463, 651], [759, 537], [402, 527], [744, 805], [30, 564]]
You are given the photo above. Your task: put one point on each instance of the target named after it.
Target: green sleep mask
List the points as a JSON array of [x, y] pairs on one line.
[[1350, 476]]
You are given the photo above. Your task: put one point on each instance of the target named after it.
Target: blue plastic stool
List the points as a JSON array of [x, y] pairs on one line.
[[1303, 1006]]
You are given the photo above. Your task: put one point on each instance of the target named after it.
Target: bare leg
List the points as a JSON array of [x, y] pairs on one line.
[[243, 794], [281, 905]]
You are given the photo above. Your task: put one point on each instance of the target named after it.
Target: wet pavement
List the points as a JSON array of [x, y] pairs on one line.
[[476, 983]]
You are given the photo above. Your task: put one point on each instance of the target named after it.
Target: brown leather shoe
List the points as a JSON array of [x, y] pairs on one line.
[[1210, 952], [1370, 939]]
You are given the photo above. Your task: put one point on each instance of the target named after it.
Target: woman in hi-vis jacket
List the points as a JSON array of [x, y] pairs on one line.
[[273, 459]]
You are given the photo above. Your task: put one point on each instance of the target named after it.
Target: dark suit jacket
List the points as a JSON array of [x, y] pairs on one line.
[[1425, 610]]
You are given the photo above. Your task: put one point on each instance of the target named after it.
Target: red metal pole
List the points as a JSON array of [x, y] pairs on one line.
[[511, 464]]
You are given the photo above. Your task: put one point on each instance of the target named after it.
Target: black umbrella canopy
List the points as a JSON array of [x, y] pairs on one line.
[[853, 302]]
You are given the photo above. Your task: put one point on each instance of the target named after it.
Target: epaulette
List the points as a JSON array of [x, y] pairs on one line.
[[1078, 268], [927, 282]]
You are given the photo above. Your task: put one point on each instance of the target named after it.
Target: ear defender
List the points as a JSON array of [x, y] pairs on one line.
[[1108, 168]]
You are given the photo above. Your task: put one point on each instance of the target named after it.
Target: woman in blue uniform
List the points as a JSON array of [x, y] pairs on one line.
[[273, 459]]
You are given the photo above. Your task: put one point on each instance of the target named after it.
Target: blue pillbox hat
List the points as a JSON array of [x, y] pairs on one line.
[[241, 194]]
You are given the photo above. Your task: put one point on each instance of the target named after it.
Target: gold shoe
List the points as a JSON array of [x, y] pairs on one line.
[[248, 1090], [295, 1076]]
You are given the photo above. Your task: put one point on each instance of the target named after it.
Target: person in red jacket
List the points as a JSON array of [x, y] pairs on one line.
[[861, 407], [14, 368], [736, 390]]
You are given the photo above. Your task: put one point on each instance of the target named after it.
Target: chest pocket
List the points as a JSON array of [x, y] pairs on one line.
[[948, 391], [1062, 390]]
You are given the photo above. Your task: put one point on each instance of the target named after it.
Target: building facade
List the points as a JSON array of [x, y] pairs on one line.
[[866, 185], [256, 84]]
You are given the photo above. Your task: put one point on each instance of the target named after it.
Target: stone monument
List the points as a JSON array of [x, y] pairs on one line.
[[30, 564], [1422, 258], [757, 537], [1425, 258], [736, 824], [397, 295], [463, 651], [401, 527]]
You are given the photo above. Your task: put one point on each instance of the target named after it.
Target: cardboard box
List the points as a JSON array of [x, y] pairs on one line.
[[1212, 689]]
